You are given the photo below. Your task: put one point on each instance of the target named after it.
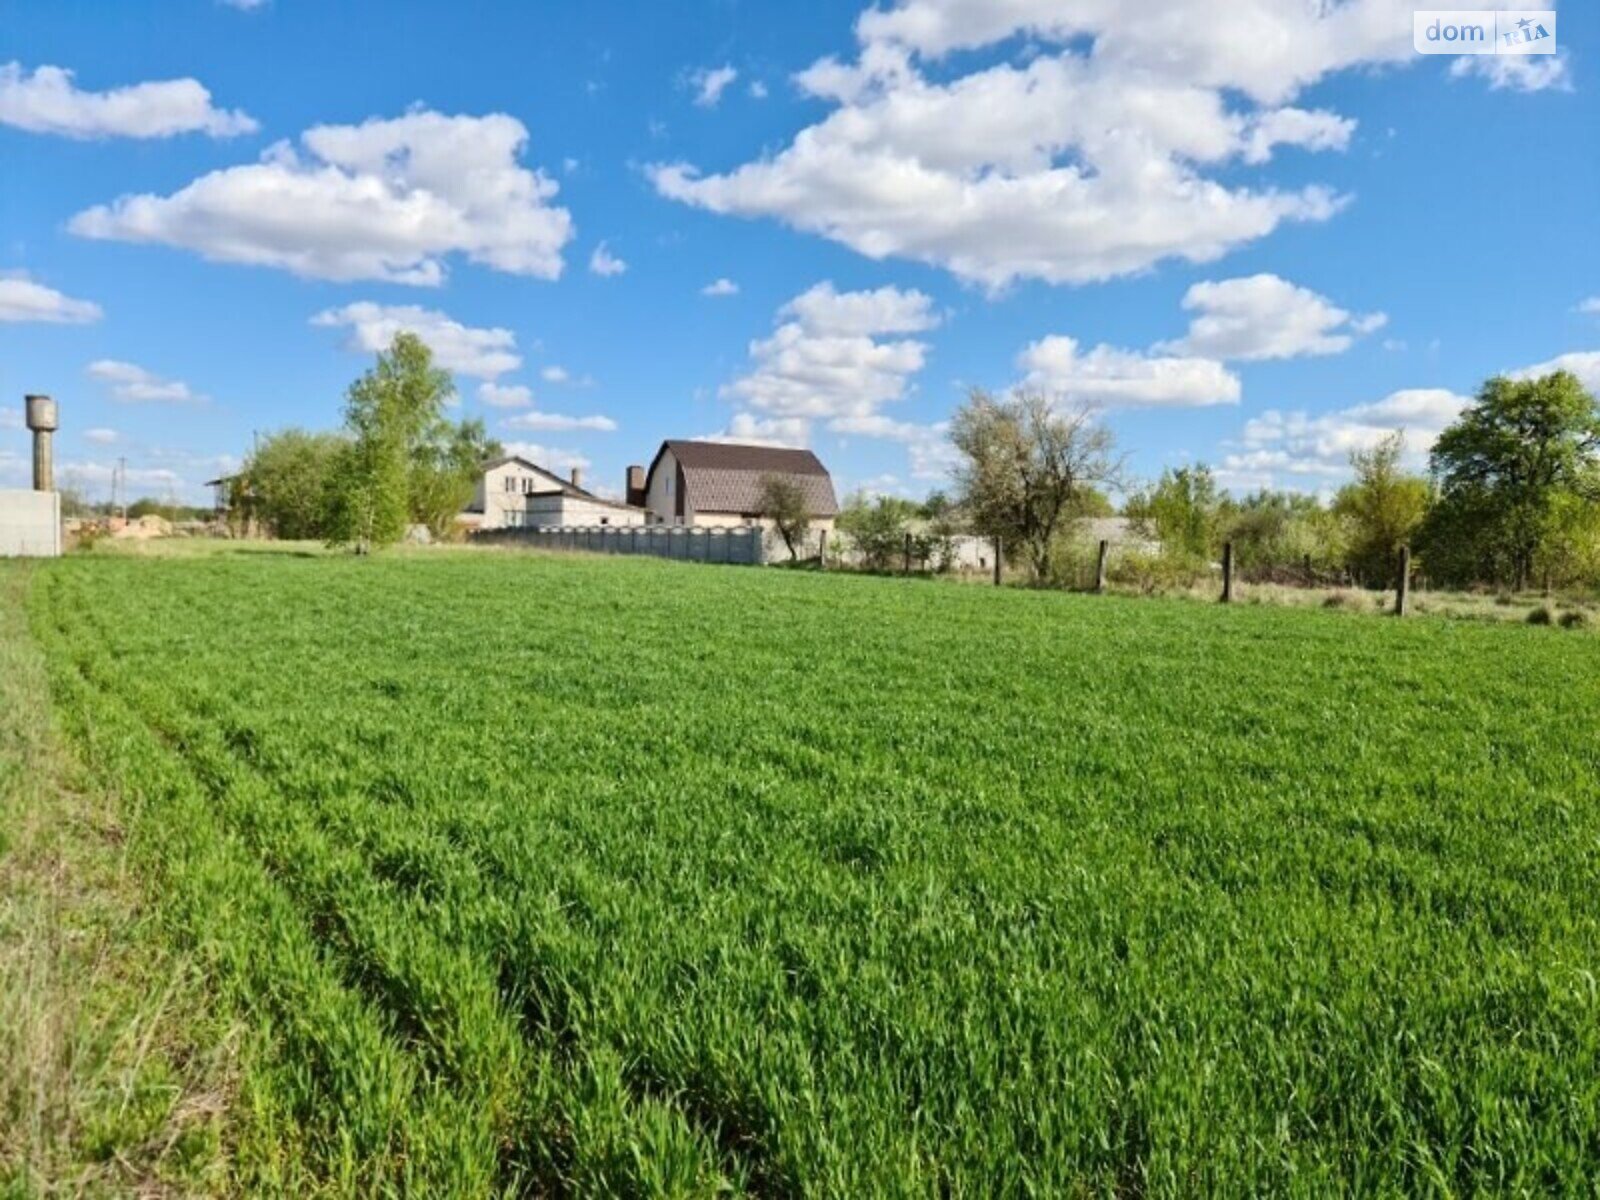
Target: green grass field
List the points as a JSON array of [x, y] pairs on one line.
[[615, 876]]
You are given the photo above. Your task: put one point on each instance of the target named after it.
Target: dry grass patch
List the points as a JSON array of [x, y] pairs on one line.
[[112, 1080]]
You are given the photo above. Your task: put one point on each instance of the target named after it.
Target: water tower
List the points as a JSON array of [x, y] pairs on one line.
[[42, 420]]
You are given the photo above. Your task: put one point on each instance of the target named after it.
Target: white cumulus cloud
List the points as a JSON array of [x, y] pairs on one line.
[[135, 385], [1516, 72], [100, 436], [1279, 448], [710, 82], [1264, 316], [834, 355], [551, 458], [1585, 364], [481, 353], [746, 429], [497, 395], [1113, 377], [387, 200], [604, 263], [22, 299], [720, 287], [839, 358], [1100, 143], [48, 101], [560, 422]]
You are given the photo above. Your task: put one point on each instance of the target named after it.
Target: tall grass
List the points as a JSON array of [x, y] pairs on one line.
[[114, 1076], [623, 876]]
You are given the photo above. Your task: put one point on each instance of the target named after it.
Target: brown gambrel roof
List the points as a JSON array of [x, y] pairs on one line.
[[725, 477]]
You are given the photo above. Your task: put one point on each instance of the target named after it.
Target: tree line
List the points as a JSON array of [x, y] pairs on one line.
[[1511, 496], [398, 462]]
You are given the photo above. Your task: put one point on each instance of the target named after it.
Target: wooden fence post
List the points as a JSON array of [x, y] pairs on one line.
[[1227, 572], [1402, 585], [1100, 568], [822, 551], [908, 552], [997, 562]]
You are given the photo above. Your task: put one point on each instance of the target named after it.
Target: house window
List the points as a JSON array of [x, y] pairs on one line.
[[511, 483]]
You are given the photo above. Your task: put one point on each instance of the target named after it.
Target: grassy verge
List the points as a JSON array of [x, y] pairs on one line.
[[113, 1080]]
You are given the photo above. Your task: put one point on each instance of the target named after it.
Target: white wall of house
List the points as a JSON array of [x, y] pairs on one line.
[[503, 493], [558, 508]]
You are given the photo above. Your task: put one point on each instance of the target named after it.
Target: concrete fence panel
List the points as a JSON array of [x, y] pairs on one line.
[[740, 544], [30, 524]]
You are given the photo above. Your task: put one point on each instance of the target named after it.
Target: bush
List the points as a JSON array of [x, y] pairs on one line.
[[1154, 574], [1541, 615], [1574, 619], [88, 537]]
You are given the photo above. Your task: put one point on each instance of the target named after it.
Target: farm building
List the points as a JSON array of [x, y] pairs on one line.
[[719, 483], [517, 494]]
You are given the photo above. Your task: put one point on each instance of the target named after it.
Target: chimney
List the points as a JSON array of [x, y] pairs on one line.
[[42, 420], [634, 493], [577, 477]]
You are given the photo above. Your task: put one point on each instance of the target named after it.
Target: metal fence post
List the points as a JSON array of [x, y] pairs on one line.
[[1402, 585], [1227, 572]]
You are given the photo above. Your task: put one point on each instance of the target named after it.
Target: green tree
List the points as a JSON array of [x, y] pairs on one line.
[[1026, 466], [1182, 511], [1384, 507], [936, 506], [288, 479], [446, 464], [1503, 471], [783, 502], [1570, 553], [401, 462], [877, 526], [1283, 531]]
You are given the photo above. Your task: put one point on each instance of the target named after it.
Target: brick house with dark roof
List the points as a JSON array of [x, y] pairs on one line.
[[719, 483]]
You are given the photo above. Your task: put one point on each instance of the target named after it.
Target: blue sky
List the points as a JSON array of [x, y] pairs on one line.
[[1259, 240]]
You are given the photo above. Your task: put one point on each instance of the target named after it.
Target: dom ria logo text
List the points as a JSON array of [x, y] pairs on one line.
[[1476, 31]]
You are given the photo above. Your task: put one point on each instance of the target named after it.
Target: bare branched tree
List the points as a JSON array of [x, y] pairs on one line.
[[1027, 463]]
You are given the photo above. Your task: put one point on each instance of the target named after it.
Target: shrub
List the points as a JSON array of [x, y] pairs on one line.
[[1540, 615], [1153, 574], [1574, 619]]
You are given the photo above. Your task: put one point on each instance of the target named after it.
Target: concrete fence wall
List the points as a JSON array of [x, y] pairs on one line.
[[30, 524], [743, 544]]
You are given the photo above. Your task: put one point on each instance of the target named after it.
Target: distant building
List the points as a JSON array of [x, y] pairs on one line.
[[514, 493], [1120, 533], [719, 483]]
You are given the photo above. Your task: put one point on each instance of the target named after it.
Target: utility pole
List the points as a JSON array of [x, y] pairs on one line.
[[119, 489]]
